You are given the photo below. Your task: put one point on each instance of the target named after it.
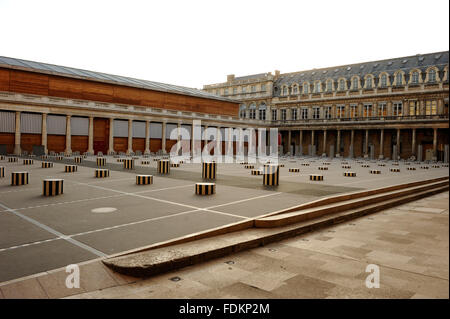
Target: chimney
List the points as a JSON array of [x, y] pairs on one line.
[[277, 73], [230, 77]]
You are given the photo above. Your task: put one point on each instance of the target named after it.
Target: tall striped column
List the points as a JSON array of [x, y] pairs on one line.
[[209, 170], [271, 175]]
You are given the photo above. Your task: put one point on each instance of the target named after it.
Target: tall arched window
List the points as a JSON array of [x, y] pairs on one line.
[[242, 112], [305, 88], [317, 87], [262, 111], [252, 111], [294, 89], [329, 86], [285, 90], [341, 85]]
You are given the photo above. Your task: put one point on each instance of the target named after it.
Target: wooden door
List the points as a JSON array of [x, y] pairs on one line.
[[101, 135]]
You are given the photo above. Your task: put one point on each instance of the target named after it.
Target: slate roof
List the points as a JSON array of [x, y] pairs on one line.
[[249, 77], [13, 63], [406, 64]]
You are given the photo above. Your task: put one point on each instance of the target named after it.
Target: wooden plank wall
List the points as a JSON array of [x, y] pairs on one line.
[[79, 143], [28, 140], [58, 86], [56, 143], [8, 140]]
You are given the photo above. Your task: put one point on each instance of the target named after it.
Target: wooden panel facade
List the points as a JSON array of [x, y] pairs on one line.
[[59, 86], [8, 140], [79, 143], [139, 144], [28, 140], [101, 135], [120, 144], [56, 143]]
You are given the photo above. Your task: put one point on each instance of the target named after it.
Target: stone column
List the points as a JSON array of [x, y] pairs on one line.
[[324, 148], [230, 142], [301, 143], [440, 106], [192, 139], [91, 135], [338, 143], [17, 149], [398, 144], [413, 143], [218, 142], [241, 141], [381, 156], [366, 145], [289, 142], [147, 137], [352, 138], [68, 150], [435, 144], [178, 137], [163, 137], [130, 137], [44, 132], [111, 136]]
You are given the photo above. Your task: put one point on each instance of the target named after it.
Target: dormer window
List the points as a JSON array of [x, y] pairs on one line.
[[355, 83], [415, 77], [329, 85], [317, 87], [369, 82], [295, 89], [398, 79], [305, 88], [285, 90], [341, 85], [383, 80], [432, 75]]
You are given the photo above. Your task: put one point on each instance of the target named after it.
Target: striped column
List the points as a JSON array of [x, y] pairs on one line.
[[19, 178], [144, 179], [163, 166], [271, 175], [209, 170], [53, 187], [70, 168], [205, 188], [101, 161], [47, 164], [101, 172], [128, 163], [2, 171]]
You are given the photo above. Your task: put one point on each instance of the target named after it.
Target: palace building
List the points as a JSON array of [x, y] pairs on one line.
[[393, 108], [47, 108]]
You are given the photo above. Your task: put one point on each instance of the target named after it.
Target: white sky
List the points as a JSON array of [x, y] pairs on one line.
[[192, 43]]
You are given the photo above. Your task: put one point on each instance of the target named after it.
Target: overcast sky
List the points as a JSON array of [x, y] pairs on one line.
[[192, 43]]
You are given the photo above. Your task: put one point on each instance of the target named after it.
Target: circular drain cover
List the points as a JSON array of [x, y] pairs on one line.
[[103, 210]]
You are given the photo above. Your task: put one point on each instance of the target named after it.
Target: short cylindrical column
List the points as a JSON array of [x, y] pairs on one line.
[[128, 163], [101, 161], [163, 166], [19, 178], [205, 188], [27, 162], [271, 175], [101, 172], [70, 168], [47, 164], [53, 187], [144, 179], [209, 170]]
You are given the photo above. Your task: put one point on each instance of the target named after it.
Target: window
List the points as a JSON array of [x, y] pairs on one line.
[[341, 85], [430, 108], [304, 113], [397, 109], [225, 91], [316, 113], [242, 111], [329, 86], [274, 115], [383, 80], [369, 82], [355, 83], [252, 111], [285, 90], [328, 112], [294, 114], [432, 75], [414, 108], [367, 110], [217, 92], [295, 89], [244, 89], [305, 88], [263, 87], [317, 87], [262, 114], [283, 114], [234, 90], [398, 79], [253, 88], [353, 111], [340, 111], [382, 109], [415, 77]]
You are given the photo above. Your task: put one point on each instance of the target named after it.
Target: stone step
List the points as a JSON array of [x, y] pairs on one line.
[[164, 259]]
